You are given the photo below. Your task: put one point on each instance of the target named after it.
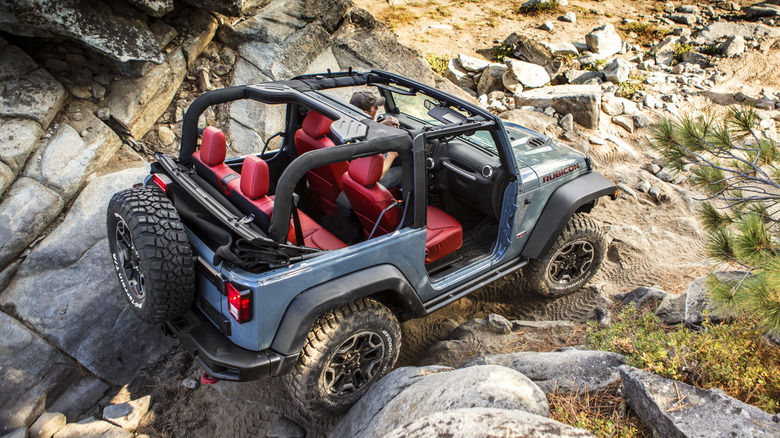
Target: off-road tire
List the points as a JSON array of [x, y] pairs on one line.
[[334, 336], [572, 261], [151, 254]]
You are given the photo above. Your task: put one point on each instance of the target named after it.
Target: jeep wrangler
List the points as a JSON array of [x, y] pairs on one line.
[[296, 260]]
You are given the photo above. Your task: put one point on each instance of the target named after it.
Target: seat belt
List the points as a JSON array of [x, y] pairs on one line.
[[297, 223]]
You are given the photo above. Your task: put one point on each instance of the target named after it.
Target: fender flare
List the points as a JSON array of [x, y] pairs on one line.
[[563, 203], [305, 308]]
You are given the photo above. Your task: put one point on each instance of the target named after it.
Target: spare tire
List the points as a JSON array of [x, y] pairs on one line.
[[151, 254]]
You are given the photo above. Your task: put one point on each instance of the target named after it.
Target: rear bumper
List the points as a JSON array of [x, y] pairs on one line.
[[220, 357]]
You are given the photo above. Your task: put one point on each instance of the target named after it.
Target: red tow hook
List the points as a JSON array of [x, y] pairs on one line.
[[208, 380]]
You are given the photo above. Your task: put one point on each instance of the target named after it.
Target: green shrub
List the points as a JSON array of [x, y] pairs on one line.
[[533, 10], [733, 357], [596, 65], [502, 51], [437, 62], [681, 49], [646, 33]]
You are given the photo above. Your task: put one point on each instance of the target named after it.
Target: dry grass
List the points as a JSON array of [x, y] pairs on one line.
[[603, 413], [395, 16]]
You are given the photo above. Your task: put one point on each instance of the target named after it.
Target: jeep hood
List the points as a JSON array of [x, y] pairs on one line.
[[540, 159]]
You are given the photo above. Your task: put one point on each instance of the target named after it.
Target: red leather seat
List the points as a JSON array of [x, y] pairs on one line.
[[325, 181], [251, 196], [210, 161], [444, 234]]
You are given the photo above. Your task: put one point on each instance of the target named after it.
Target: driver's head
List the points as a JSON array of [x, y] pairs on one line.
[[368, 102]]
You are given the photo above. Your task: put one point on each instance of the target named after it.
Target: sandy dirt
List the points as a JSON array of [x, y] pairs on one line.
[[650, 243]]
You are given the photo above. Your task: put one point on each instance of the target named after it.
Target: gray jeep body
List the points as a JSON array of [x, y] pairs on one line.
[[523, 185]]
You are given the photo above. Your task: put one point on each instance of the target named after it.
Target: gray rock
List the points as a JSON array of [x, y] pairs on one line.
[[686, 19], [32, 372], [567, 122], [582, 101], [28, 209], [155, 8], [75, 260], [472, 64], [79, 397], [91, 427], [625, 122], [459, 75], [733, 46], [18, 138], [527, 74], [6, 177], [548, 26], [478, 386], [688, 9], [127, 415], [724, 29], [14, 62], [229, 7], [627, 190], [617, 71], [640, 120], [563, 49], [68, 159], [697, 301], [137, 103], [203, 25], [371, 404], [672, 309], [21, 432], [674, 409], [97, 26], [643, 186], [271, 24], [284, 428], [569, 17], [611, 105], [491, 79], [251, 123], [696, 58], [37, 96], [535, 120], [484, 422], [640, 295], [567, 371], [47, 425], [604, 40], [498, 324], [577, 77], [762, 10], [530, 50]]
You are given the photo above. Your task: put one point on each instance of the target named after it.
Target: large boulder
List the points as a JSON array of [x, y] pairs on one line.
[[492, 79], [485, 422], [721, 29], [604, 40], [18, 138], [69, 275], [14, 62], [155, 8], [567, 371], [479, 386], [121, 37], [582, 101], [459, 75], [530, 50], [733, 46], [137, 103], [72, 154], [527, 74], [228, 7], [32, 374], [617, 71], [36, 96], [697, 301], [26, 211], [674, 409]]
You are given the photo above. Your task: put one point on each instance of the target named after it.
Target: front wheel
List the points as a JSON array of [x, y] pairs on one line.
[[572, 261], [347, 350]]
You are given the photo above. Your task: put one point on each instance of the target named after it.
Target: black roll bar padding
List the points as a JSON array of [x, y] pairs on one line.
[[280, 220], [189, 128]]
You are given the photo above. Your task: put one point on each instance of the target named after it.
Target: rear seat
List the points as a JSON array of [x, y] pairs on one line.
[[251, 197], [210, 161]]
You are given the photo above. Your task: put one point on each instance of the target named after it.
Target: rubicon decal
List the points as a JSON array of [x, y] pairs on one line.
[[559, 173]]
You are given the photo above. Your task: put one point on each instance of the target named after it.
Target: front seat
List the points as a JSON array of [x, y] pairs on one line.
[[325, 181], [370, 200]]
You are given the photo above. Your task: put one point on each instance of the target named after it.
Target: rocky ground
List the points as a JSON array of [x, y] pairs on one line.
[[78, 122]]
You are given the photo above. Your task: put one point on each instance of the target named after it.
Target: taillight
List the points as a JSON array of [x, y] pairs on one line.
[[239, 303], [160, 183]]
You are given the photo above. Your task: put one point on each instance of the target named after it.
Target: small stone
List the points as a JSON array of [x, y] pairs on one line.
[[652, 168], [569, 17], [472, 64], [597, 141], [77, 116], [178, 115], [498, 324], [204, 83], [617, 71], [658, 194], [127, 415], [688, 9], [643, 186], [641, 120], [80, 91], [221, 69], [285, 428], [625, 122], [669, 7], [567, 122], [98, 91], [56, 64], [103, 78], [548, 26], [627, 190], [550, 111], [189, 383], [47, 425], [103, 114], [166, 135]]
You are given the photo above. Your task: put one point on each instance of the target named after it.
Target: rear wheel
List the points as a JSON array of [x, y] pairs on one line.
[[572, 261], [151, 254], [348, 350]]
